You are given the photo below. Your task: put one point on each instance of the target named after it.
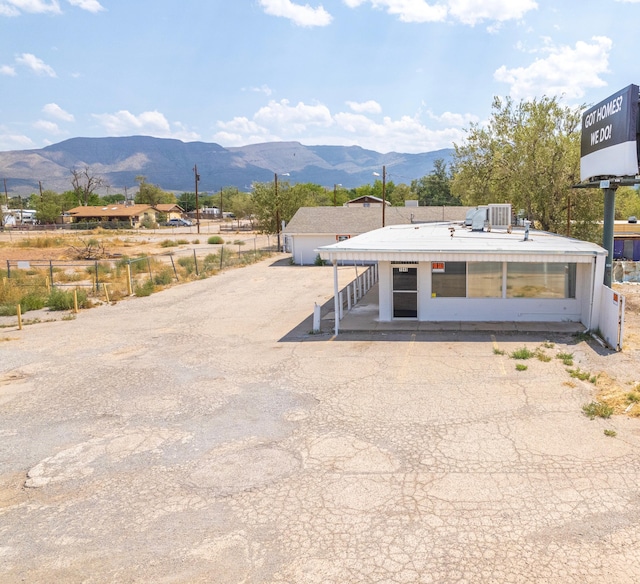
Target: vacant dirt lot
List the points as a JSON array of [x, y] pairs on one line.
[[203, 435]]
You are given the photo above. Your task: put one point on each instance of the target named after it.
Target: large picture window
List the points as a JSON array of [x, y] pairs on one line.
[[541, 280], [484, 279], [449, 279]]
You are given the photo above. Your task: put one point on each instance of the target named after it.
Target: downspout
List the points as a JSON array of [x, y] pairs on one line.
[[336, 299], [593, 291]]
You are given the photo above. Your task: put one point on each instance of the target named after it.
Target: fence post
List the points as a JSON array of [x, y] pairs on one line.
[[221, 254], [106, 293], [129, 286], [348, 296], [51, 271], [195, 260], [341, 305], [19, 313], [175, 273], [75, 300], [149, 268], [8, 269], [97, 279]]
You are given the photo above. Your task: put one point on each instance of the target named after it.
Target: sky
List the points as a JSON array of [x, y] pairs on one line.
[[404, 76]]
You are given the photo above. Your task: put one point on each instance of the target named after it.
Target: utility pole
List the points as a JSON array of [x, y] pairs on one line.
[[40, 185], [6, 195], [197, 178], [384, 198], [275, 182], [220, 203]]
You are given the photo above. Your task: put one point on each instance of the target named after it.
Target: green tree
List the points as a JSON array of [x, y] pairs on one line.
[[272, 207], [627, 203], [188, 201], [150, 194], [529, 155], [48, 206], [242, 205], [435, 188]]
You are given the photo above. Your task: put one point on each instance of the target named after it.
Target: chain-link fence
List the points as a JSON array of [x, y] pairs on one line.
[[30, 283]]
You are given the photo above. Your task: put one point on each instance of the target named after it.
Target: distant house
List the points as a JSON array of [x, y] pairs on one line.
[[366, 201], [171, 210], [134, 215], [313, 227]]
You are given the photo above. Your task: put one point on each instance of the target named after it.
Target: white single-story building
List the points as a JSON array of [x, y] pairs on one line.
[[313, 227], [449, 272]]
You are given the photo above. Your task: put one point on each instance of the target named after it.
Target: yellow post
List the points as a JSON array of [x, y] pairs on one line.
[[75, 300], [19, 311], [106, 293], [48, 282], [129, 287]]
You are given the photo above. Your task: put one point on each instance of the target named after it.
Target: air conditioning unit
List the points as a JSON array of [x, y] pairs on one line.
[[499, 215]]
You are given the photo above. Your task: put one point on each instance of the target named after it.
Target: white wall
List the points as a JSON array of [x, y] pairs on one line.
[[492, 309], [303, 247]]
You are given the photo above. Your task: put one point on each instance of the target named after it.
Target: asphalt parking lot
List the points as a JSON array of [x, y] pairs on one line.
[[203, 435]]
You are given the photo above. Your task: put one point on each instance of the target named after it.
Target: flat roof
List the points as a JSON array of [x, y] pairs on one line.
[[415, 242]]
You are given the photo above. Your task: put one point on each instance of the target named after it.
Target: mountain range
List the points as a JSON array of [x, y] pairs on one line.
[[170, 164]]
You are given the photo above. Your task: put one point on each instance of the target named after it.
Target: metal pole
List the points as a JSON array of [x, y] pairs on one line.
[[275, 182], [197, 178], [607, 234], [384, 198], [336, 297]]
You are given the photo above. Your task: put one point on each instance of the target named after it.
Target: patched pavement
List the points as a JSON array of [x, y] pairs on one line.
[[179, 438]]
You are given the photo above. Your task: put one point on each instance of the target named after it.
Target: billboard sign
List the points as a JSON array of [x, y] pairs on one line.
[[609, 136]]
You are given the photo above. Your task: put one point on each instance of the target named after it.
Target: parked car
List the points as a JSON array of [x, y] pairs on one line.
[[179, 222]]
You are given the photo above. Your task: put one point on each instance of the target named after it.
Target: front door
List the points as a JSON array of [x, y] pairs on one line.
[[405, 292]]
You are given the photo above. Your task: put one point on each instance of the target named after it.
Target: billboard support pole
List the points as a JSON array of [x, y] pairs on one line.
[[607, 234]]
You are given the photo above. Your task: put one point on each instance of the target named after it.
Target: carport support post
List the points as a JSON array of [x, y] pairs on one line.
[[607, 235], [336, 296]]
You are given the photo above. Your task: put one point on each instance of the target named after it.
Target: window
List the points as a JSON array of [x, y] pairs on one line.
[[542, 280], [484, 279], [450, 280]]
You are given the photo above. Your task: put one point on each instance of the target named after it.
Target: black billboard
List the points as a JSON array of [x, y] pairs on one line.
[[609, 136]]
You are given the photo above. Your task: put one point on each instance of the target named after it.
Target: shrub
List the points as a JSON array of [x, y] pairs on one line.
[[521, 367], [523, 353], [188, 263], [163, 277], [566, 358], [319, 261], [144, 289], [597, 410], [215, 240], [63, 299]]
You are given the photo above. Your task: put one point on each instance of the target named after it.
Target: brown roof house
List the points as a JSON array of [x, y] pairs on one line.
[[313, 227], [133, 215]]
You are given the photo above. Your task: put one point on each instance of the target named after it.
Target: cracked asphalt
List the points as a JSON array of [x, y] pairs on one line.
[[203, 435]]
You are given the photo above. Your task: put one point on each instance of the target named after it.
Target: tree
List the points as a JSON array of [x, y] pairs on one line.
[[187, 201], [242, 205], [150, 194], [435, 188], [529, 155], [84, 184], [272, 206], [627, 203], [48, 206]]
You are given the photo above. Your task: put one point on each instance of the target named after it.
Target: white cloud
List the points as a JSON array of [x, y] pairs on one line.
[[456, 120], [366, 107], [48, 127], [16, 7], [280, 121], [124, 123], [473, 11], [38, 66], [89, 5], [55, 111], [468, 12], [14, 141], [566, 71], [7, 70], [300, 15], [262, 89]]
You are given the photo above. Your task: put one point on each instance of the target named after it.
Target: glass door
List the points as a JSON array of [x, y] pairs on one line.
[[405, 292]]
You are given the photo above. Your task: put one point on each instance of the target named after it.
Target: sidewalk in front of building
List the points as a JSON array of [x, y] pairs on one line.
[[364, 317]]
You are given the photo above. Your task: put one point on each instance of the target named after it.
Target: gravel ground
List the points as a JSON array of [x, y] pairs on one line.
[[203, 435]]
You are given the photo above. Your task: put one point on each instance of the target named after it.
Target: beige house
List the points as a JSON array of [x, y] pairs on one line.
[[134, 215], [366, 201], [171, 210]]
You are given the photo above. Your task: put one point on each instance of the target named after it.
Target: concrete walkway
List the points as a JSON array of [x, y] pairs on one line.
[[364, 317]]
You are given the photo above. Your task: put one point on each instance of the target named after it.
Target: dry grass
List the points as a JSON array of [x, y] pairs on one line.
[[617, 396]]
